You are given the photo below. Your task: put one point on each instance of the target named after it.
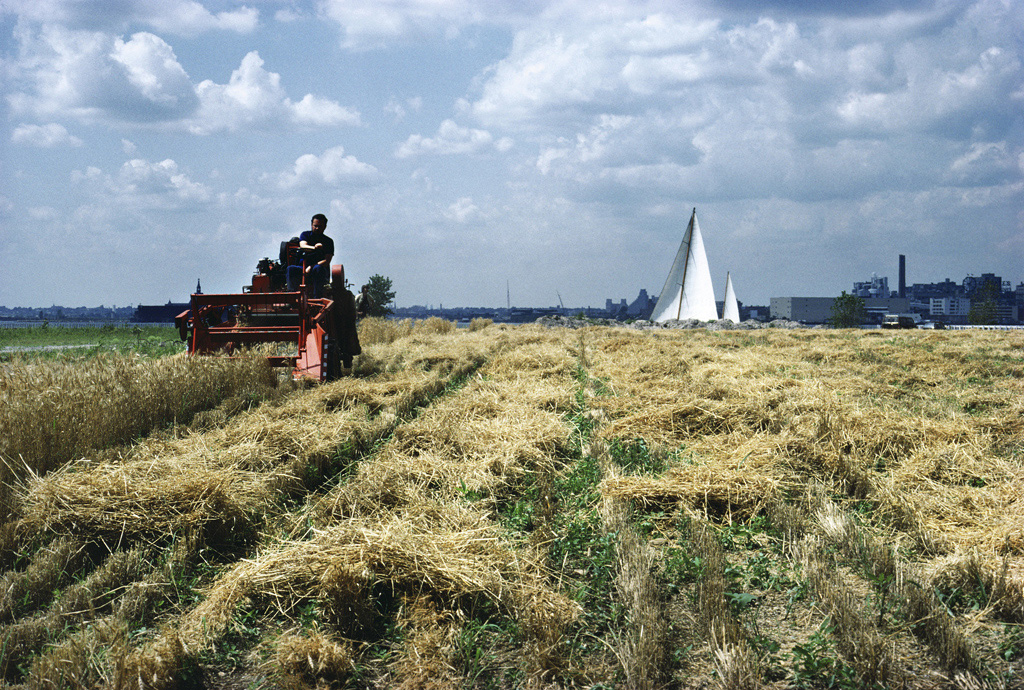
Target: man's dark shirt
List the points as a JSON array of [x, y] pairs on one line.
[[316, 255]]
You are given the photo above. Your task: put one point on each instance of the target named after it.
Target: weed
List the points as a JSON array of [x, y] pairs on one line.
[[968, 596], [519, 515], [479, 652], [1011, 645], [635, 457], [815, 663], [681, 567]]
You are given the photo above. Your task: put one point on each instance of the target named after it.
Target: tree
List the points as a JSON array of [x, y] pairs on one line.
[[984, 306], [847, 311], [381, 294]]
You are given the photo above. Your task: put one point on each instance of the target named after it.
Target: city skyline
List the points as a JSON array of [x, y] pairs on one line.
[[541, 145], [617, 300]]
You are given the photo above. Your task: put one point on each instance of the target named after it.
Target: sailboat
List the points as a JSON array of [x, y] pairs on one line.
[[731, 308], [688, 292]]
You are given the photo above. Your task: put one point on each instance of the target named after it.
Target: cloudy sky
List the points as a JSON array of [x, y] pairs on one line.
[[460, 147]]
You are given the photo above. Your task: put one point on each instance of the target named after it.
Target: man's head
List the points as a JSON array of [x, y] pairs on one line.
[[366, 288], [318, 223]]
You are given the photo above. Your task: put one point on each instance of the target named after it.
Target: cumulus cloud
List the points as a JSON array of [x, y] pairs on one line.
[[451, 139], [401, 109], [93, 76], [254, 95], [152, 70], [44, 136], [374, 23], [287, 15], [141, 184], [332, 168], [186, 17], [462, 210], [761, 106]]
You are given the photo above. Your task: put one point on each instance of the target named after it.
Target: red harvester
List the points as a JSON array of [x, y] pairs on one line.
[[323, 329]]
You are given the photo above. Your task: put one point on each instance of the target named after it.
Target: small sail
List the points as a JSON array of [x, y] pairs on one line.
[[688, 291], [731, 308]]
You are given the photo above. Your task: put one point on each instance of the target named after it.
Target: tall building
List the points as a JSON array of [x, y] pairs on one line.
[[985, 286], [877, 287], [949, 306]]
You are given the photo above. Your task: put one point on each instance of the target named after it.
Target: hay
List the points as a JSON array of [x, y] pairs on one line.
[[415, 456], [339, 566], [304, 658], [52, 414], [734, 485], [121, 504]]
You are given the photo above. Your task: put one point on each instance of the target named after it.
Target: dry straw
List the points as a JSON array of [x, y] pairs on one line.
[[920, 431], [52, 414]]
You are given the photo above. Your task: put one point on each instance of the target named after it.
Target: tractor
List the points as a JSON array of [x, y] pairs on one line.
[[323, 329]]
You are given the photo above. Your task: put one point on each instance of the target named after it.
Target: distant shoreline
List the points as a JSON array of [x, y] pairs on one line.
[[85, 323]]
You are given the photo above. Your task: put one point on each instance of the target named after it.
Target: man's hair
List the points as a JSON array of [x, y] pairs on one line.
[[319, 216]]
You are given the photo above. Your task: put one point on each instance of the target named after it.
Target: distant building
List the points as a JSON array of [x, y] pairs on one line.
[[877, 307], [819, 309], [162, 313], [878, 286], [802, 309], [987, 285], [925, 291], [616, 309], [755, 312], [641, 307], [949, 306]]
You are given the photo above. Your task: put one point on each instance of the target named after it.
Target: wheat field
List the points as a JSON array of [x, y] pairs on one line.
[[514, 506]]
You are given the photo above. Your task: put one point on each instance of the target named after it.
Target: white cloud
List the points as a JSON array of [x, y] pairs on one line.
[[94, 76], [254, 95], [138, 176], [186, 17], [44, 136], [675, 102], [333, 168], [287, 15], [400, 110], [375, 23], [985, 163], [451, 139], [141, 184], [152, 68], [462, 210], [43, 213], [322, 112]]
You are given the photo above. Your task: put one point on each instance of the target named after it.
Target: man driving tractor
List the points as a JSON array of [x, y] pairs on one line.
[[317, 252]]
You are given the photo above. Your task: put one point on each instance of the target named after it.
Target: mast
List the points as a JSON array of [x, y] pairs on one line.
[[689, 241], [725, 300]]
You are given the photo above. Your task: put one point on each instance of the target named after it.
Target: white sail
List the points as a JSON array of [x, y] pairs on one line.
[[731, 308], [688, 292]]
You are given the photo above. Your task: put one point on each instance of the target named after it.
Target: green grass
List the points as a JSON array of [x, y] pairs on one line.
[[150, 341]]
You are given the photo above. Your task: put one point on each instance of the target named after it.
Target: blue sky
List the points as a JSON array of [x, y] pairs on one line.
[[554, 147]]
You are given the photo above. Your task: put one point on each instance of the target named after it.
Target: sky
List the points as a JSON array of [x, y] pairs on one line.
[[479, 153]]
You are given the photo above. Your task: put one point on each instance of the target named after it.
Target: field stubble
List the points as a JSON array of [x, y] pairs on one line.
[[521, 507]]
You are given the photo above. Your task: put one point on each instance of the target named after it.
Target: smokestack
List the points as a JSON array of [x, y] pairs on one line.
[[903, 276]]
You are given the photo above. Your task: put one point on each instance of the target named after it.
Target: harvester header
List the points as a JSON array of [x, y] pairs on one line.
[[322, 329]]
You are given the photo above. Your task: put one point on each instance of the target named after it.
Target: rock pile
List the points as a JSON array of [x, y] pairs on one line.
[[643, 325]]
